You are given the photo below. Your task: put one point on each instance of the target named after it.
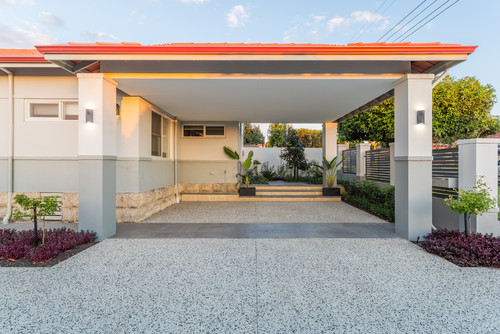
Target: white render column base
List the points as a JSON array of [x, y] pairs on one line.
[[413, 155], [329, 143], [360, 159], [97, 154], [479, 157]]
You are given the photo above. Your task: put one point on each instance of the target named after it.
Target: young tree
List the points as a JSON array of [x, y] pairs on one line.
[[293, 153], [252, 135], [36, 207], [460, 109], [277, 134], [472, 202]]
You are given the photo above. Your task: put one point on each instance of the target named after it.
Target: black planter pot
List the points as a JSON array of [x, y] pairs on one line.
[[244, 191], [331, 191]]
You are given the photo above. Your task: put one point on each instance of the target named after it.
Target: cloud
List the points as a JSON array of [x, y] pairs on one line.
[[100, 36], [21, 2], [318, 18], [51, 19], [366, 16], [237, 16], [335, 22], [24, 37], [198, 2]]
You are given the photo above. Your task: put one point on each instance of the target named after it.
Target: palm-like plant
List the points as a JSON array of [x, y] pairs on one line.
[[248, 167], [330, 170]]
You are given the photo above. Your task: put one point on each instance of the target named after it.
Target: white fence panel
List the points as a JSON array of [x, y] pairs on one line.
[[271, 155]]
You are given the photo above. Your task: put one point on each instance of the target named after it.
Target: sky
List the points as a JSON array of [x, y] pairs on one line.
[[25, 23]]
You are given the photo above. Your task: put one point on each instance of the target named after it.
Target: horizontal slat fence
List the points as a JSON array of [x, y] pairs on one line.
[[349, 162], [445, 163], [378, 165]]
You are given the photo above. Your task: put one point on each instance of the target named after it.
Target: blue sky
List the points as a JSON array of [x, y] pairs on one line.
[[25, 23]]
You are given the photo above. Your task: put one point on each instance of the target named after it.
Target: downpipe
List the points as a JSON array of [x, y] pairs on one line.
[[10, 162]]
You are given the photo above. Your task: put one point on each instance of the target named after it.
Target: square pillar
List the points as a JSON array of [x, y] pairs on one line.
[[97, 154], [479, 157], [413, 155], [329, 140], [360, 159], [329, 143], [392, 165]]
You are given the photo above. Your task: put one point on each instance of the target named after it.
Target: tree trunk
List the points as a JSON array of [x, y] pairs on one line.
[[466, 225], [295, 173], [36, 226]]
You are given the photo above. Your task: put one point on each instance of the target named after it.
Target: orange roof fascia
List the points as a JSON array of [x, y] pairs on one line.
[[241, 48]]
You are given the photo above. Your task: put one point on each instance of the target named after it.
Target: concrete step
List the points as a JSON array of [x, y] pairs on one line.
[[289, 192], [266, 187], [233, 197]]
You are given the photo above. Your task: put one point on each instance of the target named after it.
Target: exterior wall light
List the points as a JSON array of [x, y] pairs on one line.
[[89, 115], [420, 116]]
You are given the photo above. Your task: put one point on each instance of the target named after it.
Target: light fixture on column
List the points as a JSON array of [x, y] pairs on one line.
[[420, 116], [89, 115]]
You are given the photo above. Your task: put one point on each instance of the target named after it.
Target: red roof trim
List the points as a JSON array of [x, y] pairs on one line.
[[238, 48], [21, 56]]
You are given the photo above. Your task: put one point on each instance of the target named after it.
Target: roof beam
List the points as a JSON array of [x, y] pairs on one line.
[[366, 106]]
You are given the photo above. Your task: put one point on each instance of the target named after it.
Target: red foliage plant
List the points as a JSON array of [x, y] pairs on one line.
[[16, 245], [474, 250]]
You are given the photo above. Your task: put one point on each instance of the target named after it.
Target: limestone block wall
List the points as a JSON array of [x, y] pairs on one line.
[[130, 207]]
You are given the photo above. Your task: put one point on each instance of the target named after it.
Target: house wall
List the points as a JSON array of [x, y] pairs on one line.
[[202, 160]]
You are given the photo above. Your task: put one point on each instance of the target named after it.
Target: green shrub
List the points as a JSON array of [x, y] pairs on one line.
[[369, 196]]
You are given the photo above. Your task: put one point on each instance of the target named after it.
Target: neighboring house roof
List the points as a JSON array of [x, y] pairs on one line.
[[258, 48], [21, 56]]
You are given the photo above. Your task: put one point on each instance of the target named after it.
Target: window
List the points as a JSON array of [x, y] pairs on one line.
[[193, 130], [160, 135], [44, 110], [203, 131], [214, 130], [70, 110], [51, 110], [155, 134], [165, 138]]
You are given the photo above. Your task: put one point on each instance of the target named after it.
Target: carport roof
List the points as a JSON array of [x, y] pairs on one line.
[[258, 48]]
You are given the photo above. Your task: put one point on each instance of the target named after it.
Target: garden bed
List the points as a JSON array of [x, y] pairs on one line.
[[17, 247], [474, 250]]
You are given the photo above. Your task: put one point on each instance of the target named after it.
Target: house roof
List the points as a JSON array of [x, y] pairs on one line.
[[258, 48], [21, 56]]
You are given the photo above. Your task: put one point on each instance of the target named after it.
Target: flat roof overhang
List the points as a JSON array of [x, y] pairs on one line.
[[258, 82]]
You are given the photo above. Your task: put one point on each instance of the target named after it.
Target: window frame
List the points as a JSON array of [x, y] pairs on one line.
[[205, 131], [60, 109], [162, 135]]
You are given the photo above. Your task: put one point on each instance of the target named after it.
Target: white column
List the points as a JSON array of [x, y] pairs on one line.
[[329, 142], [479, 157], [392, 164], [97, 154], [360, 159], [413, 155]]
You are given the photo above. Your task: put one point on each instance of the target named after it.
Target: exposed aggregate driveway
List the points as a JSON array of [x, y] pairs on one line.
[[308, 285]]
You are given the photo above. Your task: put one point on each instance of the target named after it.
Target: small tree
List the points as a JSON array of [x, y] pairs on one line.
[[36, 207], [472, 202], [293, 153]]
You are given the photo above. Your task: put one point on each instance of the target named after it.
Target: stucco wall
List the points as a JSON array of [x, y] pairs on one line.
[[202, 160]]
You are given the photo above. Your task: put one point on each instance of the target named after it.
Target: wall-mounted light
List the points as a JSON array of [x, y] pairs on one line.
[[420, 116], [89, 115], [117, 111]]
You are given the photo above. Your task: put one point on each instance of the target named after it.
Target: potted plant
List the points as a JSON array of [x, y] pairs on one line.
[[330, 169], [247, 169], [472, 202]]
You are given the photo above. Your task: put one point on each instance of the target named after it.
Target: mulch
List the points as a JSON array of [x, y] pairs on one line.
[[56, 260]]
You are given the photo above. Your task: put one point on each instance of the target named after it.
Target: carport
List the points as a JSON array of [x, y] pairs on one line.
[[259, 83]]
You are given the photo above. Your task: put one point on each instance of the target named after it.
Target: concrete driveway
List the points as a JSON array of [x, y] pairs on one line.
[[329, 285], [196, 275]]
